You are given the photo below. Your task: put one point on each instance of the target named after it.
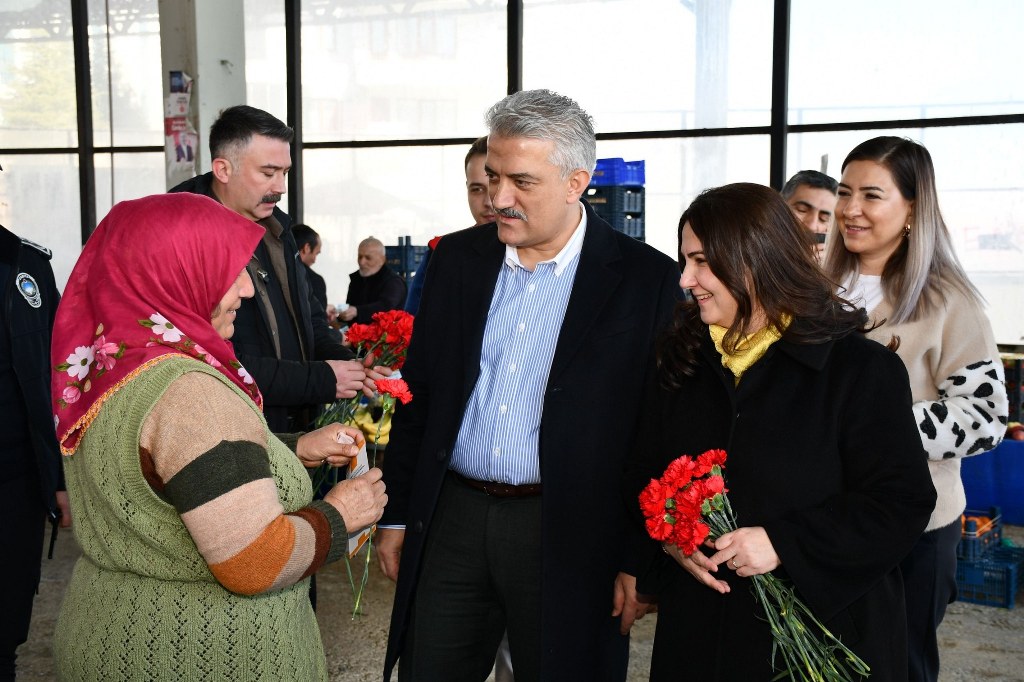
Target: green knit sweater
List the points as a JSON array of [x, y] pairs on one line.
[[142, 603]]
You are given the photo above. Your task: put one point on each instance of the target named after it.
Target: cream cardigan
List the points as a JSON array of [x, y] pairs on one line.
[[959, 394]]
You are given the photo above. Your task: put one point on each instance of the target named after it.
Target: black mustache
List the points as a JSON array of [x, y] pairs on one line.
[[271, 198]]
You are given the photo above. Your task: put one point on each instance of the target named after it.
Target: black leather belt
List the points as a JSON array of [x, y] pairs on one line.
[[495, 489]]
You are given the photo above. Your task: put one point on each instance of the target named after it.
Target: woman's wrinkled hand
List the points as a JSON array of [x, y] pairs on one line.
[[359, 500], [333, 444]]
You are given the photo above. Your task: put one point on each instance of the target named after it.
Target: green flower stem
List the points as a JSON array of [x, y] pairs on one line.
[[809, 652], [388, 404], [356, 609]]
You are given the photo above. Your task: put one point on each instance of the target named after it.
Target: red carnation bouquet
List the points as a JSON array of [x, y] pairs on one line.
[[386, 339], [688, 505], [384, 342]]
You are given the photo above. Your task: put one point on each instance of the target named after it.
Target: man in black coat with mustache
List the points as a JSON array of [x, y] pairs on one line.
[[281, 339]]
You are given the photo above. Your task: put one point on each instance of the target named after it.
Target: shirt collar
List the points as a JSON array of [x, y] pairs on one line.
[[564, 257]]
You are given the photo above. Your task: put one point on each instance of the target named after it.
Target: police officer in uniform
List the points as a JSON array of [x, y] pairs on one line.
[[31, 482]]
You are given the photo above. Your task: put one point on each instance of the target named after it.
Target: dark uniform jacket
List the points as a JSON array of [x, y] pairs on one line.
[[292, 385], [622, 295], [28, 329]]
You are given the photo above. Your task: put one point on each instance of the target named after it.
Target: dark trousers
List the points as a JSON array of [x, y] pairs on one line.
[[24, 527], [480, 576], [929, 582]]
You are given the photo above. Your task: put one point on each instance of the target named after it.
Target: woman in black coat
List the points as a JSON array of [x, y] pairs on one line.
[[825, 467]]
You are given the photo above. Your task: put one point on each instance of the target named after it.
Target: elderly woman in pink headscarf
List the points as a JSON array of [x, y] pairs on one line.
[[197, 525]]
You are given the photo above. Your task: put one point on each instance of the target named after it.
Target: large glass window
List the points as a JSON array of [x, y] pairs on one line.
[[37, 76], [265, 58], [387, 73], [372, 70], [677, 170], [127, 176], [654, 65], [390, 192], [879, 60], [39, 200], [127, 85]]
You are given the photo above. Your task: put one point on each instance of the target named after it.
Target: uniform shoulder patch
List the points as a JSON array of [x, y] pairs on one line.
[[38, 247]]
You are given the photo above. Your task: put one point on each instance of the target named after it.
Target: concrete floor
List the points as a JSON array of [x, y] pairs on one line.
[[978, 642]]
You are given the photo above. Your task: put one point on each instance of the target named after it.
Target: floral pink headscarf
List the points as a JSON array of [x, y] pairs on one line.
[[142, 291]]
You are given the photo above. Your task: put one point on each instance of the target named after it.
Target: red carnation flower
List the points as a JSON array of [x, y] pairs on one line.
[[359, 334], [680, 472], [660, 527], [713, 485], [654, 497], [396, 388], [709, 459], [689, 536]]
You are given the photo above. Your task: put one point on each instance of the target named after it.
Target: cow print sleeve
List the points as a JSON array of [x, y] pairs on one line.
[[969, 417]]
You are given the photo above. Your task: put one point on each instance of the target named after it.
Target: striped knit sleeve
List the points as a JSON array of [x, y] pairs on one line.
[[204, 450]]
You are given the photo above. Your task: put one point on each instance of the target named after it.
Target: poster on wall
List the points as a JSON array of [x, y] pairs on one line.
[[180, 138]]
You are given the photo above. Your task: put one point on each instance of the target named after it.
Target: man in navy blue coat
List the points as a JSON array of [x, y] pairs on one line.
[[526, 364]]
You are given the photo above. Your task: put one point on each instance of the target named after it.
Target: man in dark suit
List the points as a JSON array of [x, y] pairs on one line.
[[527, 361]]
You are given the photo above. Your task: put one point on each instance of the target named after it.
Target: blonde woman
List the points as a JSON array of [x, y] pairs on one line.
[[896, 259]]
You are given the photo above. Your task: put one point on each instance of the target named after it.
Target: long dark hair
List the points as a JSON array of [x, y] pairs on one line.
[[763, 256]]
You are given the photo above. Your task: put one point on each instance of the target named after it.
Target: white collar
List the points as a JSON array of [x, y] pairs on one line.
[[563, 257]]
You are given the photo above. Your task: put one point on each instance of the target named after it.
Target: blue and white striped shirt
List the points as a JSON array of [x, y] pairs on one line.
[[498, 439]]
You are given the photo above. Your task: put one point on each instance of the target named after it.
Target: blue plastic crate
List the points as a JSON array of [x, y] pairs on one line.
[[606, 200], [977, 538], [629, 224], [996, 478], [616, 171], [993, 580], [404, 258]]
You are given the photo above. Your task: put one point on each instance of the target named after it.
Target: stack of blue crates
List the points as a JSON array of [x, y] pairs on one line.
[[616, 193], [987, 571], [404, 258]]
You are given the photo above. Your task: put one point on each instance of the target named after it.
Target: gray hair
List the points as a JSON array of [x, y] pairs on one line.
[[546, 115], [372, 243]]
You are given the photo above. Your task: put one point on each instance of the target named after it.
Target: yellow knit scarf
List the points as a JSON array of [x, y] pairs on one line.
[[749, 350]]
